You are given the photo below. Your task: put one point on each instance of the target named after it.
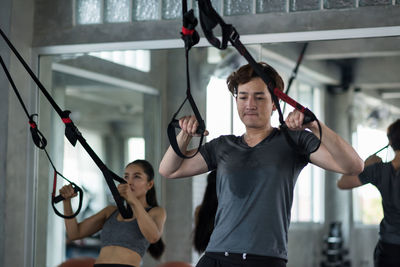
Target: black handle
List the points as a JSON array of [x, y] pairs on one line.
[[175, 124], [309, 116], [61, 198], [78, 190]]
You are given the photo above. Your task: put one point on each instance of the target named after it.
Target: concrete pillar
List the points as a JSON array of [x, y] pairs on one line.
[[5, 15], [338, 203], [16, 171], [178, 193]]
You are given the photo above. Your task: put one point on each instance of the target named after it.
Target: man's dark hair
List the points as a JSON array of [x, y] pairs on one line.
[[393, 135], [246, 73]]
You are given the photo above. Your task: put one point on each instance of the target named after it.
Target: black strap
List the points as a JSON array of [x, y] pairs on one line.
[[209, 19], [293, 75], [190, 38], [381, 149], [73, 135], [41, 142]]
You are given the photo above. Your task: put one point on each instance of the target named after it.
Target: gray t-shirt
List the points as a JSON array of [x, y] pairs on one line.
[[255, 191], [387, 180]]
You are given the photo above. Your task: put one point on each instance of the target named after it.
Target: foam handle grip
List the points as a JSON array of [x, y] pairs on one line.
[[61, 198], [175, 123], [308, 116]]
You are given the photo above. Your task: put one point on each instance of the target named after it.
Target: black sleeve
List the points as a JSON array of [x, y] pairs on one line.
[[371, 174], [306, 141], [208, 151]]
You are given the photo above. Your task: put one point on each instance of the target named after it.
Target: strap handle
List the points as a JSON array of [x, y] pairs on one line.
[[190, 38], [55, 199]]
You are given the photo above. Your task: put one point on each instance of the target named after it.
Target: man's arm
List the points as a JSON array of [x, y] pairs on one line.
[[173, 166], [334, 153], [349, 181]]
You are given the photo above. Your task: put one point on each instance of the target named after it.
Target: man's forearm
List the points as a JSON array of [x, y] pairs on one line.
[[171, 161], [342, 152]]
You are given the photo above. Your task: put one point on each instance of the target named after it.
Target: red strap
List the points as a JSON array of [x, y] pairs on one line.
[[32, 124], [288, 100], [54, 184], [186, 31], [66, 120]]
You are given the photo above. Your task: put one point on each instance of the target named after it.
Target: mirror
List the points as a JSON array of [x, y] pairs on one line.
[[122, 100]]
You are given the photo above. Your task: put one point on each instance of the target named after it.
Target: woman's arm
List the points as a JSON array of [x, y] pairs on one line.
[[334, 153], [88, 226], [151, 223], [173, 166]]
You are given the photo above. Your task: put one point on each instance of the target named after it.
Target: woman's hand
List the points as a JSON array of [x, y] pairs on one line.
[[126, 192], [67, 192]]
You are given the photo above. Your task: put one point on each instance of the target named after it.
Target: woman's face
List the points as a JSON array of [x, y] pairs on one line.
[[137, 180]]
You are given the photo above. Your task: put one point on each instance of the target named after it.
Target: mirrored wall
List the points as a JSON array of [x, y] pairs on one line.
[[121, 101]]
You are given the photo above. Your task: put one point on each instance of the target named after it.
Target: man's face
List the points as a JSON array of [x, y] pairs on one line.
[[254, 104]]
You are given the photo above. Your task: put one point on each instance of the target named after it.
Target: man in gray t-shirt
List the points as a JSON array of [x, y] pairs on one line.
[[386, 177], [256, 173]]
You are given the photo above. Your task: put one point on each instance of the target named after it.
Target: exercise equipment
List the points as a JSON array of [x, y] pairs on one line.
[[73, 135]]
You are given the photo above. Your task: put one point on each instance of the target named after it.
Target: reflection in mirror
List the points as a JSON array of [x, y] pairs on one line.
[[121, 107], [115, 106]]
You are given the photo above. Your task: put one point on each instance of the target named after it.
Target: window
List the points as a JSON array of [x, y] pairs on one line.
[[367, 199], [136, 148], [136, 59]]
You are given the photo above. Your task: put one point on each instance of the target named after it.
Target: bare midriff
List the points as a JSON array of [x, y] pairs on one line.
[[118, 255]]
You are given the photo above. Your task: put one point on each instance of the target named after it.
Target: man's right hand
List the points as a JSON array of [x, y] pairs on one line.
[[189, 125]]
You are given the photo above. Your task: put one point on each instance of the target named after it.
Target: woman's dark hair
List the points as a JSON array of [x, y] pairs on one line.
[[246, 73], [393, 135], [205, 214], [155, 249]]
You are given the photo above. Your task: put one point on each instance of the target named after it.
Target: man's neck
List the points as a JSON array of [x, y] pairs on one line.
[[253, 136]]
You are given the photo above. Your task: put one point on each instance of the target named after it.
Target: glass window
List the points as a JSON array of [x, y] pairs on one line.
[[367, 199], [146, 10], [137, 59], [89, 11], [136, 148], [171, 9], [117, 10], [238, 7]]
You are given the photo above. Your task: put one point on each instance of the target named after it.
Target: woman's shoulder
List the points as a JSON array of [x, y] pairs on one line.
[[157, 211], [108, 211]]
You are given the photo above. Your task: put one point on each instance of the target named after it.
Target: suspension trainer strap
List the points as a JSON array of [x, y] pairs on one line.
[[209, 19], [190, 38], [73, 135], [293, 75], [381, 149], [40, 141]]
